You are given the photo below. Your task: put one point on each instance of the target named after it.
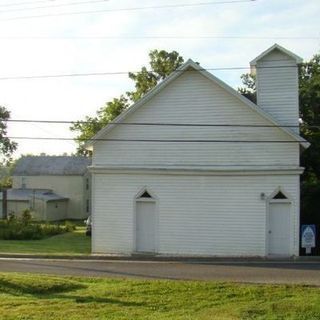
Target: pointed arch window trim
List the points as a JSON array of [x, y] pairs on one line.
[[279, 195], [145, 194]]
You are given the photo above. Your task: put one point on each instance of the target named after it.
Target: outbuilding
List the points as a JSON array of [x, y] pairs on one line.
[[66, 176], [43, 204]]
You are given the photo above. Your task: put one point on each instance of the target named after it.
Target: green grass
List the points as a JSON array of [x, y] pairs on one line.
[[71, 243], [25, 296]]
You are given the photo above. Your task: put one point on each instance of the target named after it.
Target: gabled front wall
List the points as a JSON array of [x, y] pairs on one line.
[[197, 214], [192, 98]]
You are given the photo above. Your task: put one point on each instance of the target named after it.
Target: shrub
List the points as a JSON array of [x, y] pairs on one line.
[[69, 226], [52, 229], [26, 216], [11, 217], [24, 229]]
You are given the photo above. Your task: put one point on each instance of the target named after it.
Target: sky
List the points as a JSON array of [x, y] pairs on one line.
[[50, 37]]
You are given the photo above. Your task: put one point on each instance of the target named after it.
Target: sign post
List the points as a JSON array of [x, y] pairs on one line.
[[308, 237], [4, 203]]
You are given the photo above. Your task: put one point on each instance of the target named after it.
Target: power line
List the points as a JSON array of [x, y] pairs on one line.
[[166, 6], [55, 6], [159, 140], [23, 3], [131, 37], [67, 75], [159, 124]]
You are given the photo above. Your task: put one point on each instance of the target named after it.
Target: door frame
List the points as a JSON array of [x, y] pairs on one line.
[[269, 201], [154, 199]]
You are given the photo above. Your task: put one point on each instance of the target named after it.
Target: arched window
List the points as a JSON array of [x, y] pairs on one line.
[[145, 194], [279, 195]]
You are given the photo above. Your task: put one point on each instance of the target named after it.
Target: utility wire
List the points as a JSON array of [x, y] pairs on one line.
[[67, 75], [131, 37], [54, 6], [165, 6], [160, 124], [159, 140], [23, 3]]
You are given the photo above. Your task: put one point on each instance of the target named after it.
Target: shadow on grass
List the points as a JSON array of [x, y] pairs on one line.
[[54, 290], [34, 288], [90, 299]]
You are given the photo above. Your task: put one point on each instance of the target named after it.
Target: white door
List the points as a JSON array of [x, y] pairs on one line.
[[279, 228], [145, 226]]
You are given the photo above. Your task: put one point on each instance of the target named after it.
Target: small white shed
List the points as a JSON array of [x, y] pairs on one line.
[[44, 204], [215, 175]]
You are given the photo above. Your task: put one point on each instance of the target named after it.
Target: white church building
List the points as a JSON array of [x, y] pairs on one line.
[[201, 170]]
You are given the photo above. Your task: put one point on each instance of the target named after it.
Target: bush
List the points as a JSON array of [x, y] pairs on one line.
[[24, 229], [69, 226], [52, 229], [11, 217], [26, 216], [20, 231]]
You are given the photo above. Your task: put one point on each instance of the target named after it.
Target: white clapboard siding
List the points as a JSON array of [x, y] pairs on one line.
[[197, 215], [192, 98], [277, 87]]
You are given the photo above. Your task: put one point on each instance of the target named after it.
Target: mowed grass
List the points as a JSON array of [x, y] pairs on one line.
[[71, 243], [25, 296]]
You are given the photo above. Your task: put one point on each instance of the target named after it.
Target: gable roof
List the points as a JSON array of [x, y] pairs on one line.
[[191, 65], [51, 165], [281, 49]]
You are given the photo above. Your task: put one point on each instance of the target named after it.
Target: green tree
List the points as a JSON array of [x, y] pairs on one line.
[[91, 125], [309, 89], [162, 63], [6, 171], [7, 147], [249, 89]]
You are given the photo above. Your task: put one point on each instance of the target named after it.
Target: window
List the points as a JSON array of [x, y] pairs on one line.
[[280, 195], [145, 195], [87, 206], [87, 184]]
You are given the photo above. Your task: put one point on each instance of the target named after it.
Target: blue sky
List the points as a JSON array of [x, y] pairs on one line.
[[74, 98]]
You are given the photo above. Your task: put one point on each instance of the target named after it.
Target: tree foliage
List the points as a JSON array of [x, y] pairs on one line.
[[162, 63], [309, 100], [7, 147], [249, 89], [91, 125], [309, 88]]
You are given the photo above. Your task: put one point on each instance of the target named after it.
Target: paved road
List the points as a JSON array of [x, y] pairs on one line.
[[257, 272]]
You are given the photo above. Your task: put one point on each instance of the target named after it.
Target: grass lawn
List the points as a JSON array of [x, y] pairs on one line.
[[25, 296], [71, 243]]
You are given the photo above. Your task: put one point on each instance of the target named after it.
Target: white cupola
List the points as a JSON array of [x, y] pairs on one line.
[[277, 84]]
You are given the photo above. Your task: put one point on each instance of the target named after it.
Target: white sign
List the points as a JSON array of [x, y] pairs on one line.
[[308, 236]]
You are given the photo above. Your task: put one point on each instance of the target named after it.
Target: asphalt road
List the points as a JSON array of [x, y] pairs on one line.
[[255, 272]]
